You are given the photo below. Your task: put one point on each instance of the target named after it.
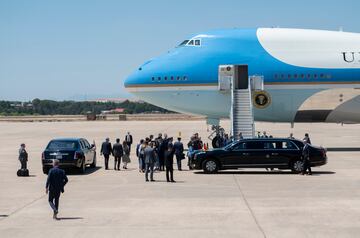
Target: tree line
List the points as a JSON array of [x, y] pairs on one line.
[[50, 107]]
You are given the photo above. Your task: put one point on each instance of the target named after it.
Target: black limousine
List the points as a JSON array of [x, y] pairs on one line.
[[71, 153], [281, 153]]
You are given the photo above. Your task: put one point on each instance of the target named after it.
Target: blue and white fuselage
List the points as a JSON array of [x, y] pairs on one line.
[[311, 75]]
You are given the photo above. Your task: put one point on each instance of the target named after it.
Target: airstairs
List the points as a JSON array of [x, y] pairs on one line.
[[242, 117], [234, 79]]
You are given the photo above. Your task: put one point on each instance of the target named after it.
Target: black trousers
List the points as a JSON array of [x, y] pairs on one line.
[[106, 161], [23, 164], [54, 200], [169, 173], [161, 161], [117, 161], [307, 166], [178, 161]]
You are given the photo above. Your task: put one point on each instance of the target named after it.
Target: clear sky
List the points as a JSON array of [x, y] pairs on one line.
[[78, 49]]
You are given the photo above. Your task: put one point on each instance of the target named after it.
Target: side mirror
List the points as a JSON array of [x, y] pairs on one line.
[[92, 146]]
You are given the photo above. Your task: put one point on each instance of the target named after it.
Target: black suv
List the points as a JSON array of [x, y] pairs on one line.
[[258, 153], [71, 153]]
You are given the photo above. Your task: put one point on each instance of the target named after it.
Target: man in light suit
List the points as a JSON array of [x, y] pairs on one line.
[[129, 140], [150, 159], [55, 183]]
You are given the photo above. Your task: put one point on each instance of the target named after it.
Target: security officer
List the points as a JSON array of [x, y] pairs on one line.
[[23, 157], [306, 159]]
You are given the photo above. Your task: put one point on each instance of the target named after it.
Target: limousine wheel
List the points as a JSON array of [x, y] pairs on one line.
[[93, 165], [297, 166], [82, 167], [210, 166]]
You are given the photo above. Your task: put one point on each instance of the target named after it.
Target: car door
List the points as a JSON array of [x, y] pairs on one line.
[[273, 154], [255, 153], [91, 152], [236, 156], [85, 150], [289, 152]]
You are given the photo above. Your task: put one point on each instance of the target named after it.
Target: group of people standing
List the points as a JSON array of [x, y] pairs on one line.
[[120, 151], [158, 154]]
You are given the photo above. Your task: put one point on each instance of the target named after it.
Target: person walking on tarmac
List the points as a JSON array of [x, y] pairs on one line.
[[126, 156], [179, 152], [129, 140], [55, 183], [23, 157], [306, 159], [118, 153], [106, 150]]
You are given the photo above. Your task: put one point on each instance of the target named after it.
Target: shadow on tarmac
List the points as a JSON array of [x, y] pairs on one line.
[[314, 173], [70, 218], [88, 171]]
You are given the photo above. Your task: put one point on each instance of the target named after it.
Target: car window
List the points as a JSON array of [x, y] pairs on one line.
[[82, 144], [255, 145], [289, 145], [239, 146], [63, 145], [87, 145], [268, 145]]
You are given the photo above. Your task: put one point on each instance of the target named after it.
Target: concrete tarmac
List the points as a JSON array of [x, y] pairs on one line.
[[240, 203]]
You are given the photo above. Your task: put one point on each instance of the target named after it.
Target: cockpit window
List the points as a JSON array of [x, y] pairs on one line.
[[184, 42], [194, 42]]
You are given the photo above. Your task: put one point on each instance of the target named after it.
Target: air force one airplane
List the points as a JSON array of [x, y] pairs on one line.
[[308, 75]]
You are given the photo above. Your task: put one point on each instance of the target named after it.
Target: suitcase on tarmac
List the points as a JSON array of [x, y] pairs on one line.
[[23, 173]]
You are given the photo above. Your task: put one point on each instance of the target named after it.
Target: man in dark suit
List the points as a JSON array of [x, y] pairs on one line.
[[169, 160], [179, 152], [106, 150], [129, 140], [55, 183], [118, 152]]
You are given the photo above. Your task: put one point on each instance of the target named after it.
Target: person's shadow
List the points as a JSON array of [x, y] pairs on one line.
[[70, 218]]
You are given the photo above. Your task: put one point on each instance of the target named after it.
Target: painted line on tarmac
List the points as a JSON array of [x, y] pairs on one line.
[[248, 206]]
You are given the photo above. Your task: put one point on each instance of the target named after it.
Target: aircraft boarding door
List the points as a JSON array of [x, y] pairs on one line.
[[241, 77]]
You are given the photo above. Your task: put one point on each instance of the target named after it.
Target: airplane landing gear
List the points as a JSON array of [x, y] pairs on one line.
[[217, 136]]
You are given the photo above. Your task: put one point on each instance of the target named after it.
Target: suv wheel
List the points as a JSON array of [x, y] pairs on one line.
[[297, 166], [210, 166]]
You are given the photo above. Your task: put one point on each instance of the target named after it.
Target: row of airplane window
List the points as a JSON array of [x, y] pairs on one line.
[[276, 76], [172, 78], [302, 76]]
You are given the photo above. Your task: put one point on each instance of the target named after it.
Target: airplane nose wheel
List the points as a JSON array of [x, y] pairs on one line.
[[217, 136], [216, 142]]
